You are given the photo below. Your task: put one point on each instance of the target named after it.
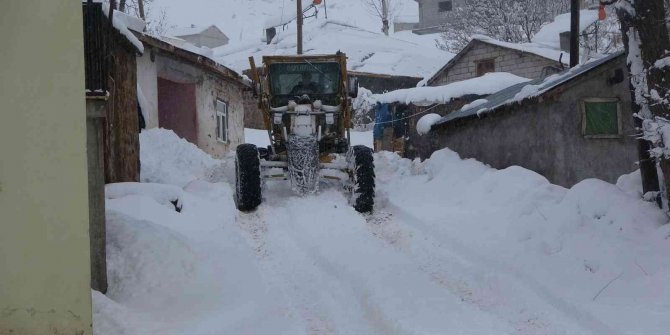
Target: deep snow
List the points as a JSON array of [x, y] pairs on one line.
[[454, 247]]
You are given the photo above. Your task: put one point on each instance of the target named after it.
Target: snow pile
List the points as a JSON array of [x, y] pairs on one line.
[[425, 122], [424, 96], [549, 35], [168, 159], [148, 265], [167, 195], [631, 184], [608, 245]]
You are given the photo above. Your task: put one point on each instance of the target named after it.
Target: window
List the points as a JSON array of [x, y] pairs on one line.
[[221, 121], [444, 6], [485, 66], [601, 118]]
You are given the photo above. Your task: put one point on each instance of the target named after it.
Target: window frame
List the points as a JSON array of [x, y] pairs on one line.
[[618, 115], [221, 134], [439, 6], [481, 61]]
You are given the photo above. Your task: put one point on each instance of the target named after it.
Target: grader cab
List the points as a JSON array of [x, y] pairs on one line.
[[306, 106]]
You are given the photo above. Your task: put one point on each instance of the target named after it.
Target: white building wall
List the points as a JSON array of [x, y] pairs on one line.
[[207, 92]]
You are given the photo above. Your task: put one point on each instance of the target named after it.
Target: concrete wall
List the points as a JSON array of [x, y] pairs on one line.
[[44, 242], [506, 60], [208, 88], [546, 136], [430, 16]]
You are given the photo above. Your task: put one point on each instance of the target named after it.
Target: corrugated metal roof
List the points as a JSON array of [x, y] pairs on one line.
[[512, 93]]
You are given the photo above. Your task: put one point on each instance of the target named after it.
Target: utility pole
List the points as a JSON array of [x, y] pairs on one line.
[[140, 5], [574, 33], [385, 17], [299, 21]]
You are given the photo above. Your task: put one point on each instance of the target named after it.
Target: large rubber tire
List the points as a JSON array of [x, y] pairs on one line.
[[247, 177], [363, 196]]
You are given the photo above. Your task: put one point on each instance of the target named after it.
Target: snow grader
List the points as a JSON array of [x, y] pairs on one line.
[[306, 105]]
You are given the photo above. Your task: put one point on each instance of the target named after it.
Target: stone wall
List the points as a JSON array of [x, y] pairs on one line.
[[545, 135], [506, 60]]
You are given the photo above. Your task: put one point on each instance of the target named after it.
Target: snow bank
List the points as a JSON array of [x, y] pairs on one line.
[[631, 184], [425, 122], [168, 159], [147, 265], [609, 245], [424, 96], [168, 195]]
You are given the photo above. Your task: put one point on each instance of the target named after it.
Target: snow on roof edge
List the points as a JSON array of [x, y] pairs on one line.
[[423, 96]]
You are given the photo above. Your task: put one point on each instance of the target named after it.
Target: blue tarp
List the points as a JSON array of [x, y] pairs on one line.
[[382, 117]]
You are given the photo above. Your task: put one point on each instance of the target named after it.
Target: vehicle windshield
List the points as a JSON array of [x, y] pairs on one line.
[[318, 80]]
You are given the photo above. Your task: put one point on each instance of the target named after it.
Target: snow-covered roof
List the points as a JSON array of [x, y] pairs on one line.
[[527, 90], [123, 23], [192, 30], [424, 96], [193, 54], [549, 35], [367, 51], [530, 48]]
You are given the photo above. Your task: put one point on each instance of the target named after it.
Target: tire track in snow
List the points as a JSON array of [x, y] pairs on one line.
[[452, 251], [340, 280], [291, 269]]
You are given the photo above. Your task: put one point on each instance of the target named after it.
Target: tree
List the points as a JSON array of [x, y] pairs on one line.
[[645, 35], [506, 20], [384, 9]]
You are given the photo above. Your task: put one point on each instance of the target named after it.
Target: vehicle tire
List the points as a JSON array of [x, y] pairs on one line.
[[363, 173], [247, 177]]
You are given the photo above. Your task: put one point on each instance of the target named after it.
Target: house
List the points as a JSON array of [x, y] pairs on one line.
[[567, 127], [484, 54], [398, 111], [44, 240], [434, 13], [191, 94], [206, 36]]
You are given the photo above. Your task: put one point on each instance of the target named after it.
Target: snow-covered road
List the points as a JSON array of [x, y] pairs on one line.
[[453, 247]]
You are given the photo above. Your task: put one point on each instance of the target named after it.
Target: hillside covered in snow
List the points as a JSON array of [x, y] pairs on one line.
[[349, 28]]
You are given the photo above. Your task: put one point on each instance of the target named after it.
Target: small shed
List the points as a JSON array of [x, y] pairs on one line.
[[484, 54], [398, 111], [199, 99], [567, 127]]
